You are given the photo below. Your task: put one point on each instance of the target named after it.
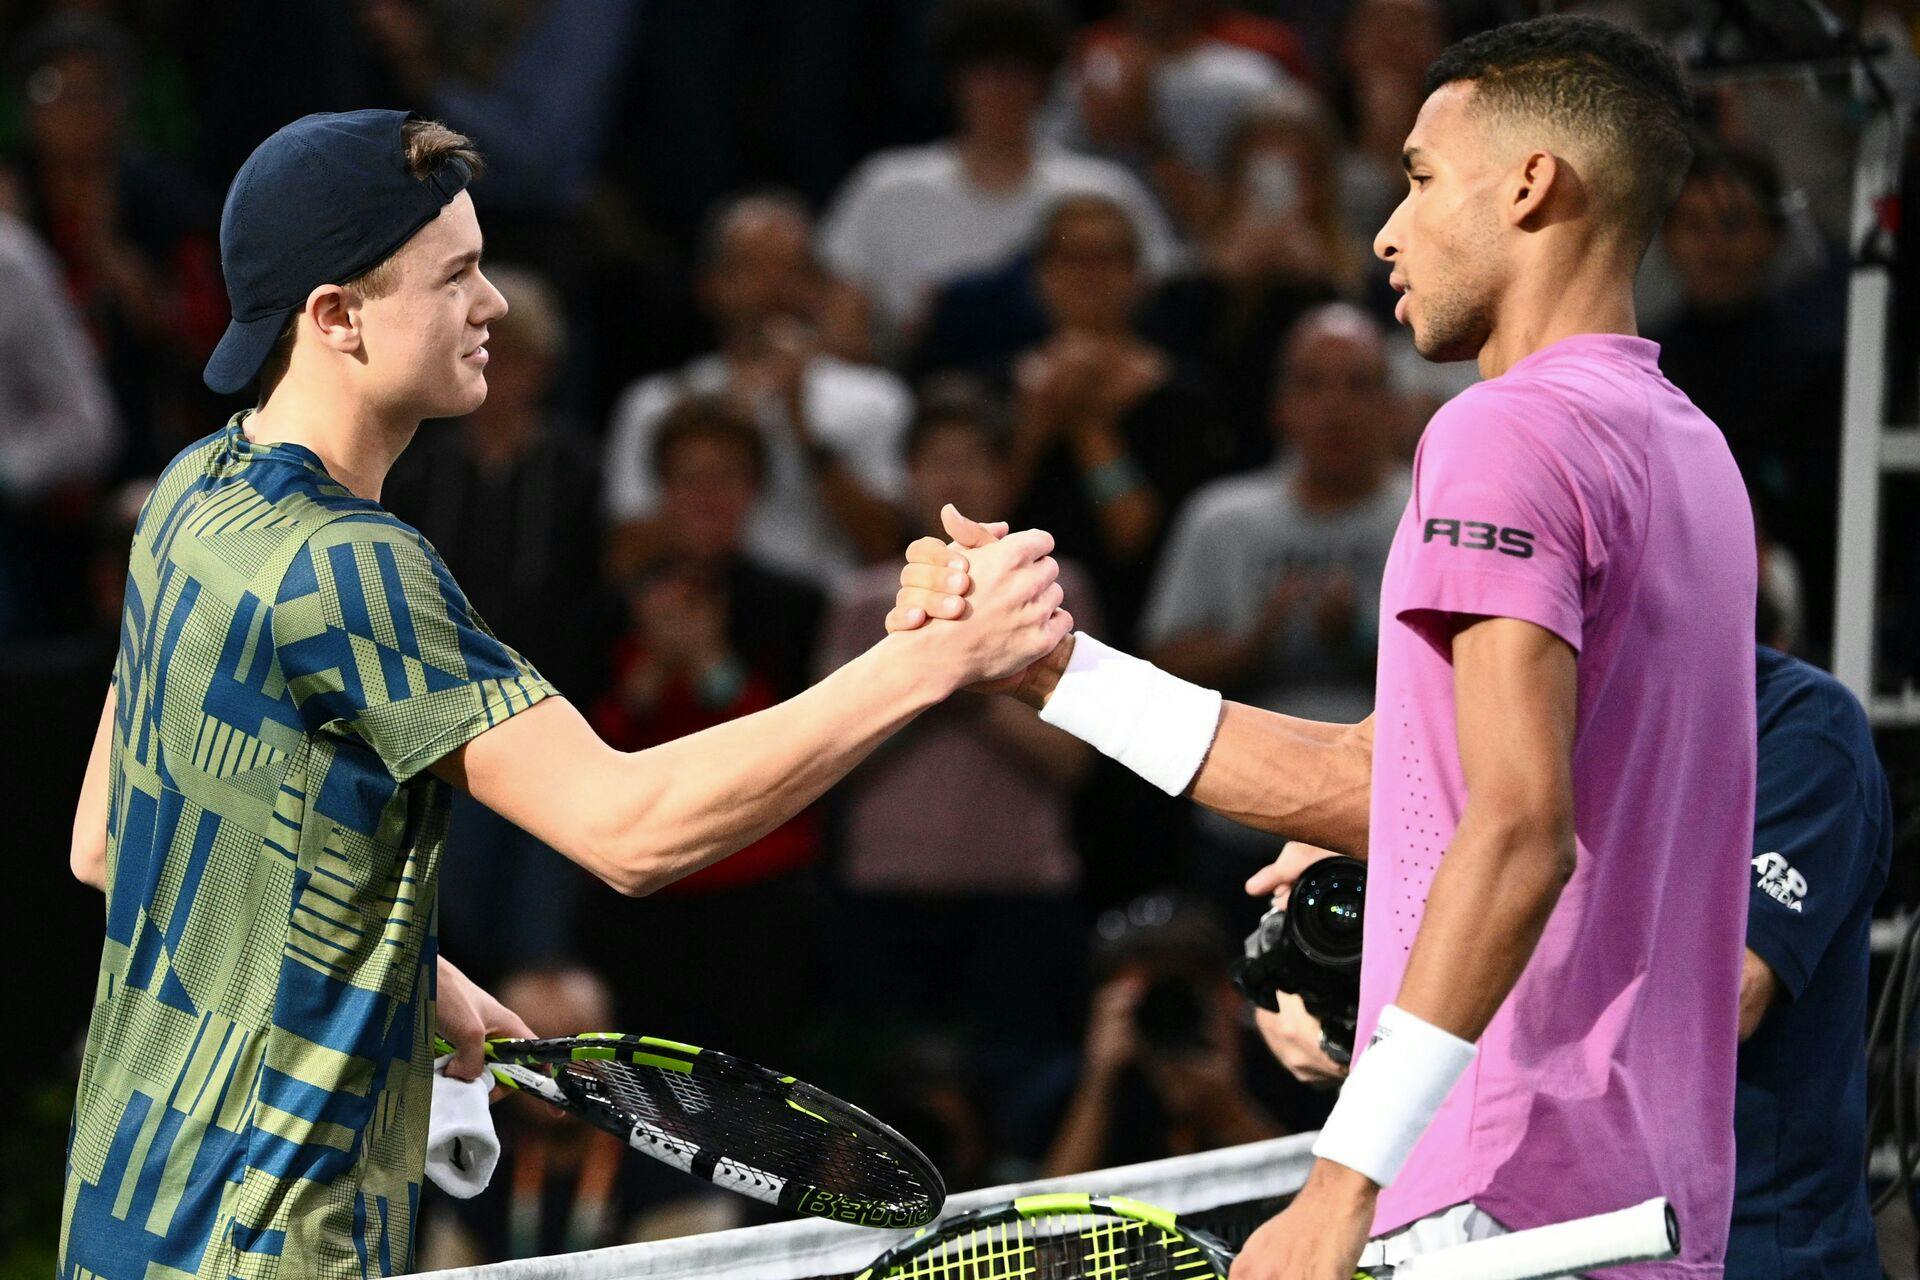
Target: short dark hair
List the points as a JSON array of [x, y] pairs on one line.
[[967, 33], [430, 146], [712, 418], [1599, 80]]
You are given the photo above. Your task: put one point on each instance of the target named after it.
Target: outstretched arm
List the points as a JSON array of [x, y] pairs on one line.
[[88, 855], [1305, 779], [643, 819]]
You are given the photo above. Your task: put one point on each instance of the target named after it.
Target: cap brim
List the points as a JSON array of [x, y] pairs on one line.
[[243, 349]]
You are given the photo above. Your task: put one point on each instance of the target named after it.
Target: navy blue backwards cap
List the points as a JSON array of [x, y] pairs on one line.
[[322, 201]]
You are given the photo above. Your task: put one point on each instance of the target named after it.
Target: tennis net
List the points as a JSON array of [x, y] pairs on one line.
[[1228, 1192]]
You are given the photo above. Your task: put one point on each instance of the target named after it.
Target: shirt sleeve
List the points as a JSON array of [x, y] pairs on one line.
[[376, 641], [1502, 522], [1814, 853]]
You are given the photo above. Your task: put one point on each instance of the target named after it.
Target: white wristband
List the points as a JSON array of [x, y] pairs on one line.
[[1398, 1082], [1157, 725]]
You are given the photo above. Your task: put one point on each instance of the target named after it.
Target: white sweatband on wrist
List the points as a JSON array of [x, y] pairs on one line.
[[1157, 725], [1397, 1085]]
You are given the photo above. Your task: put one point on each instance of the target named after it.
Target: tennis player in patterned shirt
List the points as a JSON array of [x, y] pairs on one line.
[[299, 680]]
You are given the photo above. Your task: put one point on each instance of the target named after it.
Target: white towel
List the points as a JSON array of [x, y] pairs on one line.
[[462, 1148]]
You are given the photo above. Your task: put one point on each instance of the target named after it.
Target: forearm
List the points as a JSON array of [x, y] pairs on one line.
[[1305, 779], [672, 809], [1491, 897]]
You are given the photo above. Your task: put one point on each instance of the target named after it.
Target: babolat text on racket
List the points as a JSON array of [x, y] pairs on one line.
[[1057, 1237], [731, 1123]]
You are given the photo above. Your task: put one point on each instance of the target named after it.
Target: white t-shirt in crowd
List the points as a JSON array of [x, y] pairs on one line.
[[859, 412], [910, 220]]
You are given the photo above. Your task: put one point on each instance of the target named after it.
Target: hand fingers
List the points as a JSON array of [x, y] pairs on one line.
[[968, 533], [934, 551], [998, 528], [1028, 544], [906, 619], [935, 604], [1269, 878], [460, 1026], [932, 577], [1059, 627]]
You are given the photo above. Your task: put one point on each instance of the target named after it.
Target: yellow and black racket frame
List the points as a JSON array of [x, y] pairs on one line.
[[1191, 1253], [532, 1066]]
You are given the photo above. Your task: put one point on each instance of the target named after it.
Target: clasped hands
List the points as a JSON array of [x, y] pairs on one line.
[[1010, 581]]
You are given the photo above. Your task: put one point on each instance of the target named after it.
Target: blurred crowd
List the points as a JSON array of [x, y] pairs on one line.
[[784, 279]]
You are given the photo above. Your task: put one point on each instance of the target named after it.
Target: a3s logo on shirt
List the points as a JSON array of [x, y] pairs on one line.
[[1780, 881], [1478, 535]]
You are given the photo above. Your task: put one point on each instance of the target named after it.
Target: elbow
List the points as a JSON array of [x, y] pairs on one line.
[[631, 868]]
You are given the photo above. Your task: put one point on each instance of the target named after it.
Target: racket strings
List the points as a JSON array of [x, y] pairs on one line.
[[790, 1143], [1063, 1248]]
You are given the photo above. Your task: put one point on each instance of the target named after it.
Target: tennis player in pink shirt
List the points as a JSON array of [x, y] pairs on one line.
[[1555, 790]]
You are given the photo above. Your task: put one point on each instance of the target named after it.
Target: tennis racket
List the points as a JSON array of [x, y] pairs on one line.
[[1648, 1232], [731, 1123], [1057, 1237]]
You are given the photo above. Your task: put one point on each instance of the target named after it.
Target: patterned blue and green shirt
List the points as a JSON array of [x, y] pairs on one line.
[[254, 1097]]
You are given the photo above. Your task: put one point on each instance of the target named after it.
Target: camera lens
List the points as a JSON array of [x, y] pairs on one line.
[[1327, 910]]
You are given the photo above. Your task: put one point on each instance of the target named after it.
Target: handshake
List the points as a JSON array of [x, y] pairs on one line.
[[983, 611]]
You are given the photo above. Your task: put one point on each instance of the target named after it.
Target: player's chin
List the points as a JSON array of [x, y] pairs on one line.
[[468, 391]]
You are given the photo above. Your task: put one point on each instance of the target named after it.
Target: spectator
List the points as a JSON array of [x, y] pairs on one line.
[[909, 220], [509, 495], [133, 234], [1752, 356], [562, 1186], [1379, 84], [1111, 433], [831, 429], [57, 430], [1160, 86], [974, 918], [1271, 580], [533, 84], [713, 635], [1276, 245], [1169, 1066]]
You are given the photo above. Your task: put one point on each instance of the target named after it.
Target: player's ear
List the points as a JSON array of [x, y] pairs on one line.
[[1530, 185], [335, 317]]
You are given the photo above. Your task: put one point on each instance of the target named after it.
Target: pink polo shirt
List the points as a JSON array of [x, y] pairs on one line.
[[1582, 492]]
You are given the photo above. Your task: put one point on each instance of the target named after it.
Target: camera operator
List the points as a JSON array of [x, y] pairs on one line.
[[1166, 1068]]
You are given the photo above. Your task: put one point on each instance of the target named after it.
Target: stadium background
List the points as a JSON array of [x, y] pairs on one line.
[[1244, 154]]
